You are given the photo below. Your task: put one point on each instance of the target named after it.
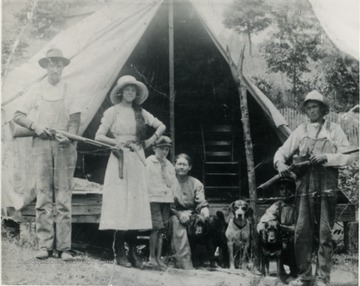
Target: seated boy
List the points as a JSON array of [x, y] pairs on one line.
[[283, 211]]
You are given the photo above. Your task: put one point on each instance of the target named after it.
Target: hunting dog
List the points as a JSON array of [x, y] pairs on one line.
[[208, 232], [238, 232], [271, 247]]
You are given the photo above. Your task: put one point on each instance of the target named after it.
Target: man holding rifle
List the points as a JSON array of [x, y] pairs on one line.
[[53, 102], [322, 143]]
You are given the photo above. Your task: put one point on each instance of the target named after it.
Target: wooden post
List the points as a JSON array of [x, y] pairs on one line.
[[240, 82], [171, 79]]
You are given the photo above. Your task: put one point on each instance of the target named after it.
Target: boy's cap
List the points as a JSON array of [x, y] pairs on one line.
[[290, 181], [163, 141], [287, 180]]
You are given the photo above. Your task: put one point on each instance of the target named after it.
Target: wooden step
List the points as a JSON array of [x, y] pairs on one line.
[[221, 174], [217, 128], [221, 187], [224, 167], [218, 143], [218, 153], [222, 163]]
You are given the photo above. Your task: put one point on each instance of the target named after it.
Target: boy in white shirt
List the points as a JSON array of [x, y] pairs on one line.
[[161, 175]]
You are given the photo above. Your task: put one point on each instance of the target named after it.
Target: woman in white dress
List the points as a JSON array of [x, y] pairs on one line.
[[125, 206]]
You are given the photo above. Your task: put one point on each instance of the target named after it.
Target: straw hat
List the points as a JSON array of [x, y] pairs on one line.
[[142, 90], [55, 54], [314, 96], [163, 141]]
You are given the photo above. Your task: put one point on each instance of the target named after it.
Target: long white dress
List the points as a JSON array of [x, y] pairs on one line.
[[125, 204]]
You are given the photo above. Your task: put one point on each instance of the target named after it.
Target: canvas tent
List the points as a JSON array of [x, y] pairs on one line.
[[131, 37], [340, 20]]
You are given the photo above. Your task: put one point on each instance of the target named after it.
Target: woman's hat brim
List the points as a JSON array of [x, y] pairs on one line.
[[141, 88], [44, 61], [162, 145]]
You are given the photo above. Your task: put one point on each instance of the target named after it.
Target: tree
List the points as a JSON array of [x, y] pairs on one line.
[[269, 88], [338, 80], [247, 16], [294, 44], [46, 14]]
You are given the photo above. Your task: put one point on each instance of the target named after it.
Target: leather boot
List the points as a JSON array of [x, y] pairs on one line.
[[134, 258], [121, 258]]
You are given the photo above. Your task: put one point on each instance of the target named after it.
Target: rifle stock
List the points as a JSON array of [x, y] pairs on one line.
[[277, 177], [295, 166]]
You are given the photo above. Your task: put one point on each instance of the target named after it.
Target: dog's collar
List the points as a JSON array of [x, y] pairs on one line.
[[238, 225]]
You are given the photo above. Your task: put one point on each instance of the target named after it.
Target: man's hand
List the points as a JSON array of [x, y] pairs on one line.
[[41, 131], [205, 212], [288, 228], [283, 169], [184, 217], [318, 159], [63, 140]]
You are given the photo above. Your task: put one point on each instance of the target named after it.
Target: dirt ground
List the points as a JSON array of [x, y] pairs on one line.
[[19, 267]]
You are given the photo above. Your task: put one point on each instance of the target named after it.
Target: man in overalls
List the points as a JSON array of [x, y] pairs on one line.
[[321, 142], [52, 102]]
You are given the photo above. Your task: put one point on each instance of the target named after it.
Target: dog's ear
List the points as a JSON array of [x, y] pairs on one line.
[[249, 212], [228, 212], [231, 207], [220, 216], [206, 226], [263, 234]]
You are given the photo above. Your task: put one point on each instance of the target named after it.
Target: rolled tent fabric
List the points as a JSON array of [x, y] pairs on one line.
[[340, 20]]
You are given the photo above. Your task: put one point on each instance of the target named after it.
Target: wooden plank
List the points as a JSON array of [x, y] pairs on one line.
[[218, 129], [218, 153], [74, 219], [218, 143], [76, 210]]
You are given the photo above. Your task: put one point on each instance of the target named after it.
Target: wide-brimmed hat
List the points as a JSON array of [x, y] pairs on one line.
[[163, 141], [142, 90], [53, 54], [314, 96]]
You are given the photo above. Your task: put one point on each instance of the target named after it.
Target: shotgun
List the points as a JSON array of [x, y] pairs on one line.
[[294, 167], [118, 151]]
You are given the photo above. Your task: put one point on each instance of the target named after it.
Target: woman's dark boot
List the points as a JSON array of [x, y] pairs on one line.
[[134, 258], [121, 258]]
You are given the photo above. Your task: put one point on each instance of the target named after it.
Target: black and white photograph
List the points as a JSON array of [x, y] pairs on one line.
[[180, 142]]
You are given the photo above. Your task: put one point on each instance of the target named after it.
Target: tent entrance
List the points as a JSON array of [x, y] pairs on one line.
[[205, 97]]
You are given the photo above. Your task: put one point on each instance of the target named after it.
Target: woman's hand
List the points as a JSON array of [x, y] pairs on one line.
[[184, 217], [205, 212], [318, 159], [283, 169], [150, 141]]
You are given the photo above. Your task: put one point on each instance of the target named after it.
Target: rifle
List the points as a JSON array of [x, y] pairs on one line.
[[118, 151], [295, 167]]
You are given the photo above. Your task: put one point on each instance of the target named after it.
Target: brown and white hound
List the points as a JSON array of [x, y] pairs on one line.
[[238, 231]]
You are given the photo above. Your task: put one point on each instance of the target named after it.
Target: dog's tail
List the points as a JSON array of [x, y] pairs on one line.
[[220, 216]]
